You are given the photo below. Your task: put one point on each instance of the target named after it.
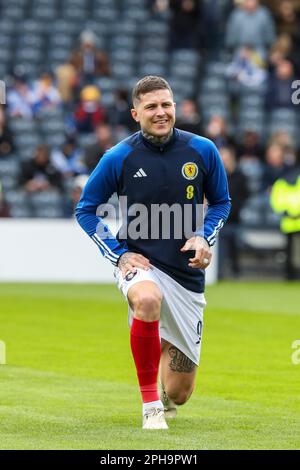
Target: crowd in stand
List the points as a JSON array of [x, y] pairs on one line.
[[260, 43]]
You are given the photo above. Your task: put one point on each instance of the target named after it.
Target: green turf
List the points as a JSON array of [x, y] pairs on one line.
[[69, 382]]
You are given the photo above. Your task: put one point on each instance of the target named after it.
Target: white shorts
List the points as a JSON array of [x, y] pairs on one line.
[[181, 317]]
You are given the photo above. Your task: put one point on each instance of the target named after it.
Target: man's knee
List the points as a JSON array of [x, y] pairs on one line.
[[179, 397], [146, 304]]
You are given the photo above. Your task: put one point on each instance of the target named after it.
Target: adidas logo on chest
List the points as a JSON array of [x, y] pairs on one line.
[[140, 174]]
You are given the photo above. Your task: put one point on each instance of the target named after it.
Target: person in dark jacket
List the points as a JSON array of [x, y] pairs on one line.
[[238, 188], [38, 174]]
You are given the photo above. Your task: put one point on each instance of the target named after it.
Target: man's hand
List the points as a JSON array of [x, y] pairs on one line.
[[203, 252], [128, 262]]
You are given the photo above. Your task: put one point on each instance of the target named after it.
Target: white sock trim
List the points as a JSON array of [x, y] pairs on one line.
[[152, 404]]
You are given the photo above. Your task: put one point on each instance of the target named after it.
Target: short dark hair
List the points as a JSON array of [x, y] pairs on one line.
[[148, 84]]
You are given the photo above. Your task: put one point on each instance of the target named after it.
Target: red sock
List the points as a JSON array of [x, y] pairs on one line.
[[145, 347]]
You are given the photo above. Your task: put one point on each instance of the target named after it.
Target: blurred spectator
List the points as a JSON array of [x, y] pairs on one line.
[[119, 113], [89, 112], [238, 189], [213, 21], [287, 144], [79, 183], [19, 98], [67, 81], [88, 61], [188, 117], [104, 141], [4, 208], [68, 159], [45, 95], [247, 68], [288, 21], [280, 50], [275, 166], [217, 131], [184, 24], [6, 138], [158, 7], [250, 146], [250, 24], [279, 89], [38, 174]]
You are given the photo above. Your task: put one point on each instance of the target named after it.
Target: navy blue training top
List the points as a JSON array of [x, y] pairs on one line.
[[183, 171]]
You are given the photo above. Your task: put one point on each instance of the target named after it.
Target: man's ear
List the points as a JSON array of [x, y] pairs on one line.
[[134, 114]]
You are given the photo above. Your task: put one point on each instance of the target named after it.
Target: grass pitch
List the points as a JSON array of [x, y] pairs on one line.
[[70, 383]]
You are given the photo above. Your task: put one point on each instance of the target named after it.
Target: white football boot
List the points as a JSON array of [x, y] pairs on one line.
[[170, 407], [154, 418]]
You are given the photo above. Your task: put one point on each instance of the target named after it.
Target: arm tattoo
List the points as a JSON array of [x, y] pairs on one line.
[[124, 258], [179, 361]]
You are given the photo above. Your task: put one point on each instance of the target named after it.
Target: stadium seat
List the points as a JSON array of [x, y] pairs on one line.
[[252, 214], [18, 203], [152, 68], [213, 85], [106, 84], [58, 55], [66, 27], [138, 14], [19, 3], [103, 3], [44, 13], [216, 69], [122, 70], [55, 140], [7, 27], [186, 56], [12, 12], [154, 42], [52, 197], [31, 40], [189, 71], [26, 140], [47, 212], [108, 98], [182, 86], [9, 172], [21, 211], [213, 99], [253, 170], [52, 125], [19, 125], [123, 42], [5, 41], [32, 26], [154, 55], [127, 27], [52, 113], [123, 56], [159, 28], [29, 55], [217, 110], [105, 13], [74, 13], [47, 204], [63, 40], [252, 100], [5, 55]]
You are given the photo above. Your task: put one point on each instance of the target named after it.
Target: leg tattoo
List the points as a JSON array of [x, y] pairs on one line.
[[179, 361]]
